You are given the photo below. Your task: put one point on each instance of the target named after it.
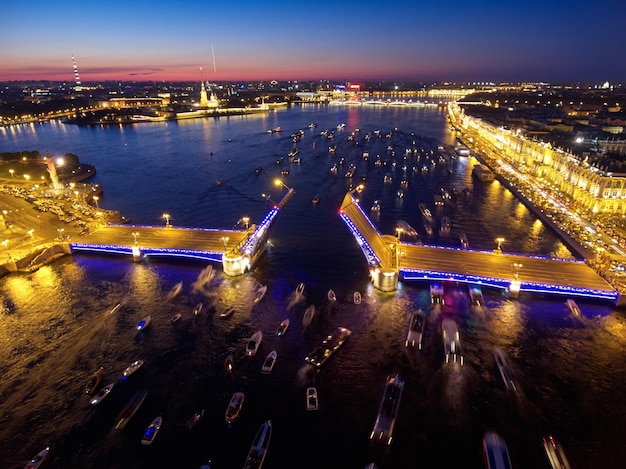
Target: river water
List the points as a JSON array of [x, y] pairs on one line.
[[56, 330]]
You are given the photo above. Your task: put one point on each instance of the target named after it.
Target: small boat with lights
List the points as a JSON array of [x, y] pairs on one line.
[[436, 293], [312, 402], [476, 295], [259, 447], [495, 451], [269, 362], [463, 240], [175, 318], [555, 453], [94, 381], [316, 199], [144, 323], [174, 292], [260, 293], [198, 309], [234, 407], [282, 327], [300, 289], [426, 213], [151, 432], [331, 295], [482, 173], [451, 341], [388, 410], [194, 420], [356, 297], [228, 312], [505, 369], [132, 368], [416, 329], [103, 393], [38, 459], [253, 344], [575, 311]]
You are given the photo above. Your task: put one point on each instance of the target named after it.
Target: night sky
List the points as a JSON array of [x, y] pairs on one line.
[[551, 40]]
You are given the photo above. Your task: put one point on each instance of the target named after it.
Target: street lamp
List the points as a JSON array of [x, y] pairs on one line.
[[135, 234], [225, 240], [399, 232], [246, 221], [167, 219], [517, 266], [278, 182], [499, 247], [27, 177], [95, 199], [12, 171]]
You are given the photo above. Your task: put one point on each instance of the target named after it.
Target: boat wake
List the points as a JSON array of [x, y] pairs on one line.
[[294, 298], [304, 375]]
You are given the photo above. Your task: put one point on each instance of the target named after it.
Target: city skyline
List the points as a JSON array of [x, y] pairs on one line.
[[405, 41]]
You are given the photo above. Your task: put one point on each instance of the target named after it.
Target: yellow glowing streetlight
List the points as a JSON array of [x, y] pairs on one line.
[[12, 171], [225, 240], [517, 266], [27, 177], [278, 182], [95, 199], [5, 243], [246, 221], [399, 232], [499, 241], [167, 219], [135, 234]]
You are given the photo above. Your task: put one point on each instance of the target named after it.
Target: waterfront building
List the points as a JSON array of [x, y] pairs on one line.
[[596, 185]]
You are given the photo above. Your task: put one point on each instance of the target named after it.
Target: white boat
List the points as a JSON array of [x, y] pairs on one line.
[[312, 402], [495, 452], [104, 392], [174, 292], [436, 293], [253, 343], [425, 211], [300, 289], [229, 364], [388, 410], [269, 362], [39, 458], [194, 420], [227, 312], [463, 240], [151, 432], [416, 330], [505, 369], [316, 199], [133, 367], [116, 308], [476, 296], [176, 317], [376, 207], [282, 327], [145, 322], [260, 293], [198, 309], [308, 316], [234, 407], [331, 295], [575, 311], [94, 381], [357, 298], [451, 341], [555, 454], [259, 447]]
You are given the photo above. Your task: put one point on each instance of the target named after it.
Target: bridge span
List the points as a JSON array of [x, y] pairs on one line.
[[237, 250], [390, 259]]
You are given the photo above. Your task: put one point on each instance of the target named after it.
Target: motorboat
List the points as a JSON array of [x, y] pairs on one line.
[[116, 308], [300, 289], [451, 341], [275, 130], [94, 381], [38, 459], [495, 451], [145, 322], [175, 318], [174, 292], [575, 311], [234, 407], [253, 343], [132, 368], [316, 199], [259, 447], [312, 402], [463, 240], [331, 295], [197, 309], [229, 363], [227, 312], [357, 298], [388, 410], [260, 293], [104, 392], [375, 207], [436, 293], [151, 432], [269, 362], [328, 347], [131, 408], [426, 213], [282, 327], [416, 329], [445, 225], [308, 316], [505, 369], [194, 420], [476, 296], [555, 453]]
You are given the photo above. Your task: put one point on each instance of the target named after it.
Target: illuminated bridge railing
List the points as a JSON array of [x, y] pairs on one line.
[[368, 251], [260, 234], [529, 287], [215, 256]]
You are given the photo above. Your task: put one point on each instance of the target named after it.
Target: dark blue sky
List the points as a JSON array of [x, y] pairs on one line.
[[415, 40]]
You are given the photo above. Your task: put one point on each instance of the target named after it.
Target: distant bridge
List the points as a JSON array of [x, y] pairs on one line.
[[389, 259]]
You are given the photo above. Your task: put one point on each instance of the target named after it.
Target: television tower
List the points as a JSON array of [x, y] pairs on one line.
[[78, 86]]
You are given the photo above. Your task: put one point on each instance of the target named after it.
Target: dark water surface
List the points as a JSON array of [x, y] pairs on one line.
[[55, 329]]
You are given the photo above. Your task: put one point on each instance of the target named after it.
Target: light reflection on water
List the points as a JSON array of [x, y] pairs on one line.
[[55, 326]]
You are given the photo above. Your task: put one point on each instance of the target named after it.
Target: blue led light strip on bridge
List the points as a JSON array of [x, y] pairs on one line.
[[370, 255]]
